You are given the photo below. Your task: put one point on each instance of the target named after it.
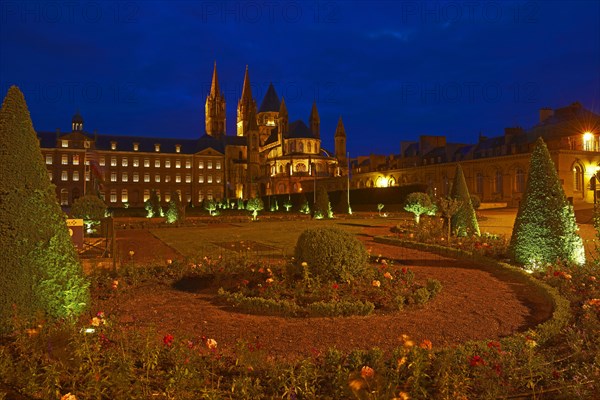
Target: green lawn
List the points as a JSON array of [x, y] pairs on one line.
[[200, 241]]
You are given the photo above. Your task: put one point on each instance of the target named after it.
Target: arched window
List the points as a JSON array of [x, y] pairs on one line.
[[498, 182], [479, 183], [519, 180], [309, 147], [301, 147], [577, 178], [64, 197]]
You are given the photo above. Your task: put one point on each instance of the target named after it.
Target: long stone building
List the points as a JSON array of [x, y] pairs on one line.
[[496, 168], [267, 155]]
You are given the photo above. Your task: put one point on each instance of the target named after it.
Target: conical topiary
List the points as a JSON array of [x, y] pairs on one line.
[[545, 230], [464, 221], [38, 263]]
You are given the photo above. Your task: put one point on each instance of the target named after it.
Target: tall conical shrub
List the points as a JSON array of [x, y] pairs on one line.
[[464, 221], [39, 268], [545, 230]]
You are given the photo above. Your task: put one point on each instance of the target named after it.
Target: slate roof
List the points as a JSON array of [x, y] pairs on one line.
[[299, 130], [271, 101], [273, 137]]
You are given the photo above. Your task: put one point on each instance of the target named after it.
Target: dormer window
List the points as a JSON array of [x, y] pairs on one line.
[[136, 146], [113, 145], [177, 148], [64, 143], [157, 147]]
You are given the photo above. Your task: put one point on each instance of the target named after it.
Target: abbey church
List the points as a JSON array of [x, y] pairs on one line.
[[267, 155]]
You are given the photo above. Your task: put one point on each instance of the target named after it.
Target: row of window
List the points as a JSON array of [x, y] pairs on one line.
[[125, 196], [135, 162], [64, 176]]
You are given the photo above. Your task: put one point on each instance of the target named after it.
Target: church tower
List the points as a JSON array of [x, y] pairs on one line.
[[283, 124], [340, 143], [246, 107], [214, 110], [252, 134], [77, 122], [315, 121]]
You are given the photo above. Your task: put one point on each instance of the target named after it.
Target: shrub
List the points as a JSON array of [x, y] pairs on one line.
[[90, 208], [255, 205], [322, 206], [332, 254], [464, 221], [152, 205], [176, 210], [545, 228], [475, 201]]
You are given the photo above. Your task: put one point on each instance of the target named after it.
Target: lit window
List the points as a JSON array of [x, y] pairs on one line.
[[113, 196], [146, 177], [201, 164], [178, 178], [188, 164], [124, 162], [188, 197], [218, 178], [102, 162], [146, 194], [218, 165], [65, 143], [113, 176], [157, 163], [167, 196], [201, 179], [87, 176], [64, 176], [48, 159], [177, 148], [177, 163], [146, 162], [168, 178], [136, 177], [76, 176], [209, 179], [136, 162], [75, 159], [209, 165], [124, 177], [209, 195], [136, 146], [157, 147], [124, 196], [64, 159], [50, 175], [157, 178], [188, 178], [113, 161], [200, 196], [64, 197], [167, 163], [113, 146]]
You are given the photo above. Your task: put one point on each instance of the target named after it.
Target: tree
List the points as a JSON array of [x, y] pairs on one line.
[[176, 211], [303, 207], [38, 263], [255, 204], [211, 206], [545, 230], [419, 203], [342, 206], [152, 205], [464, 221], [322, 206], [90, 208], [448, 208], [287, 204]]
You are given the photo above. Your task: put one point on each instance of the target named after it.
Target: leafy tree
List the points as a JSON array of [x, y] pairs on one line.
[[545, 230], [152, 205], [90, 208], [255, 204], [304, 207], [322, 206], [419, 203], [211, 206], [176, 211], [448, 207], [464, 221], [240, 204], [287, 204], [38, 263]]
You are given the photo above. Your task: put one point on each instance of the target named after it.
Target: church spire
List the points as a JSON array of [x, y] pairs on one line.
[[340, 144], [214, 87], [340, 131], [246, 105], [246, 89], [314, 121], [283, 112]]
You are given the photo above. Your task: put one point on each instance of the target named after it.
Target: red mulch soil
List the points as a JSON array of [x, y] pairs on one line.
[[475, 303]]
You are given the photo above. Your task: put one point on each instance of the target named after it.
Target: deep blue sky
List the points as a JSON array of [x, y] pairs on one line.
[[393, 70]]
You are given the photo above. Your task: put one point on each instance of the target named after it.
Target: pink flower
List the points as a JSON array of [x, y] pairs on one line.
[[335, 286], [476, 361], [168, 340]]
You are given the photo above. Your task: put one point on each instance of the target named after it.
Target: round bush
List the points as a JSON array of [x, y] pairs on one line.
[[332, 254]]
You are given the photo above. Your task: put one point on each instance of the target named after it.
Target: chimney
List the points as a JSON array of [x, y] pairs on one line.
[[545, 113]]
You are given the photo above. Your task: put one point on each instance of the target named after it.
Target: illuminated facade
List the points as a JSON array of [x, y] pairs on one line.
[[496, 168], [268, 155]]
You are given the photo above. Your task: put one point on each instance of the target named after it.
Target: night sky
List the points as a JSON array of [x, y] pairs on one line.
[[392, 70]]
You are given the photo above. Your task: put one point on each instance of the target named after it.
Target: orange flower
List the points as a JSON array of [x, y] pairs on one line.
[[376, 283], [68, 396], [426, 344], [96, 321], [367, 372], [211, 344], [389, 276]]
